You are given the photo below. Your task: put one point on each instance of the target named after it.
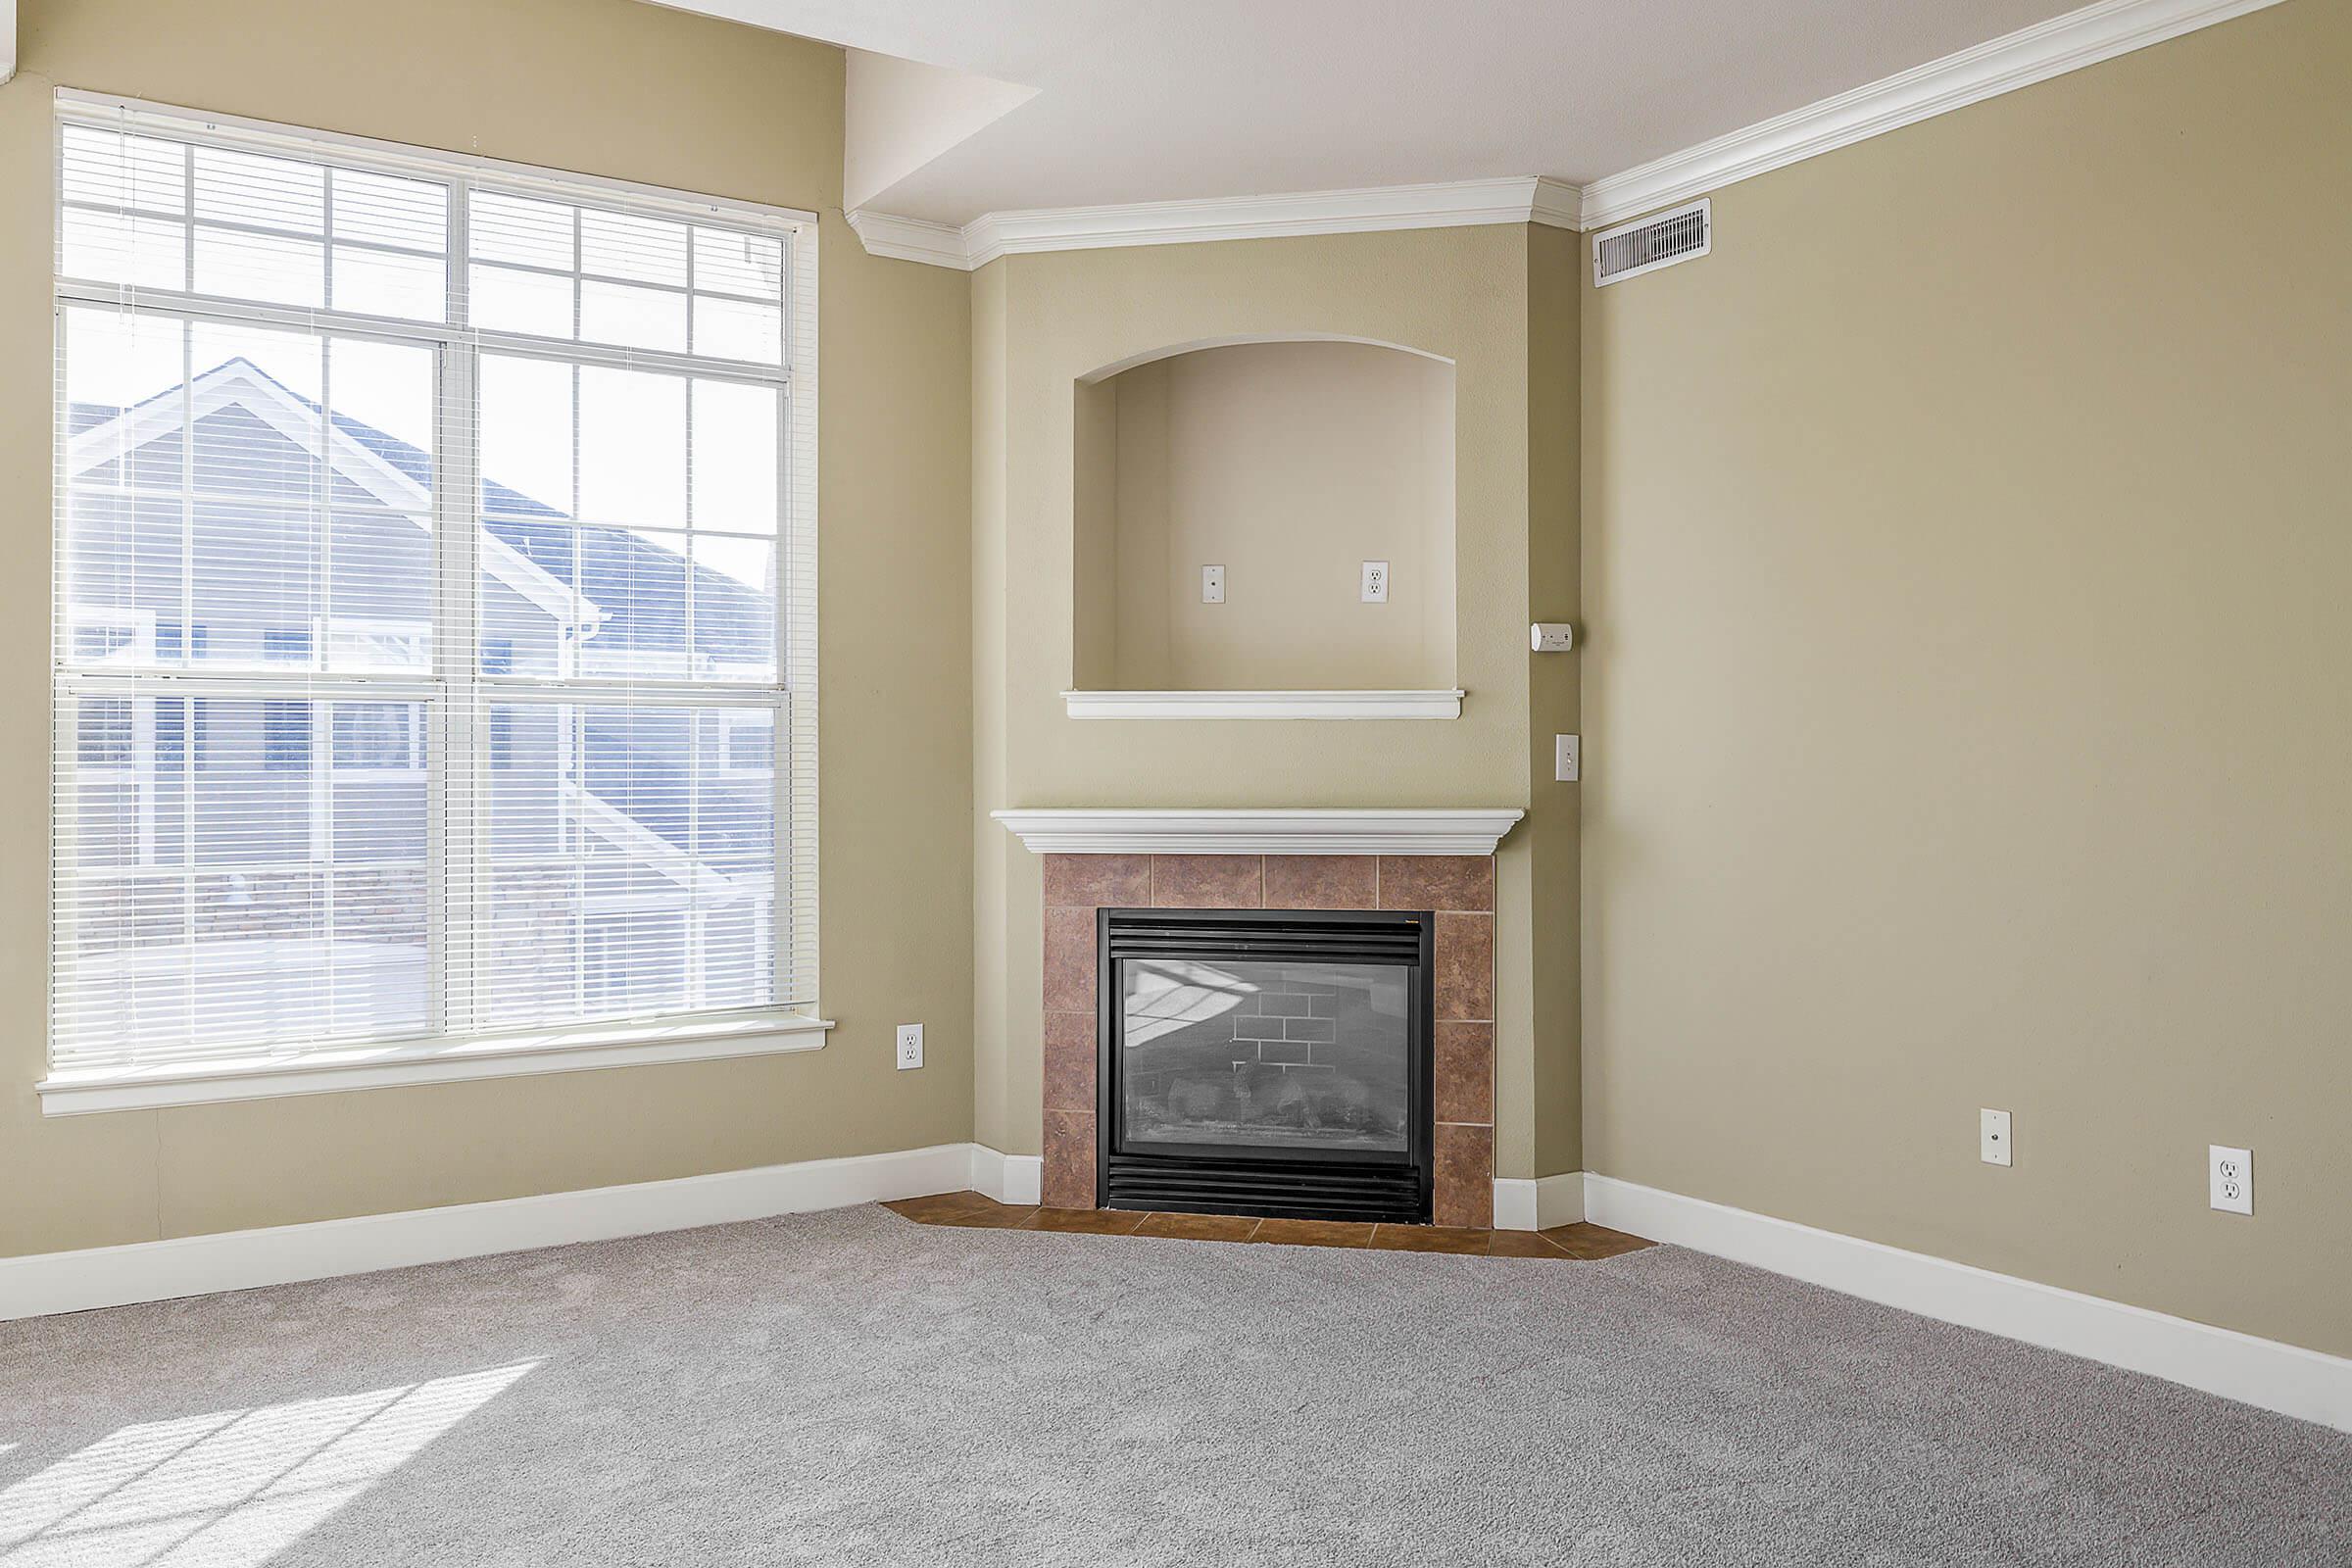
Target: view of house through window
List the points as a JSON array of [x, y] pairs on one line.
[[430, 603]]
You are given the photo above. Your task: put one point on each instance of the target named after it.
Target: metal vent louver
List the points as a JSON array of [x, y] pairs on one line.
[[1659, 241]]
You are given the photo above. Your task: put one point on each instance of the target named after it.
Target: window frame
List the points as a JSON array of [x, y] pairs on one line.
[[459, 688]]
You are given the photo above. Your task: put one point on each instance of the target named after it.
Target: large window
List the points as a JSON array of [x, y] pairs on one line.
[[434, 644]]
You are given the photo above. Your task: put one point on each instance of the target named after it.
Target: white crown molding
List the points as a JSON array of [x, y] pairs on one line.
[[1266, 832], [1457, 204], [8, 39], [2308, 1385], [1444, 704], [237, 1260], [2020, 58], [2002, 64]]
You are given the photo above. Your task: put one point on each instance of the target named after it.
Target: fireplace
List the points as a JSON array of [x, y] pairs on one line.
[[1265, 1062]]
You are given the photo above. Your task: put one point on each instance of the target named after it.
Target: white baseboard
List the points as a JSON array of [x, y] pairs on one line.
[[234, 1260], [1539, 1204], [1008, 1178], [2307, 1384]]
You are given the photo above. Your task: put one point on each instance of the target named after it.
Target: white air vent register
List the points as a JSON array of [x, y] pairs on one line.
[[1660, 240]]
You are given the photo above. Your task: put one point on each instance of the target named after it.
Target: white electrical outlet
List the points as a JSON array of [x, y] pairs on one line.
[[2229, 1179], [1212, 585], [1376, 582], [910, 1046], [1993, 1138], [1567, 757]]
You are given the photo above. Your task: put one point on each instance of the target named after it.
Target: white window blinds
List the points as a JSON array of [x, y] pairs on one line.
[[435, 651]]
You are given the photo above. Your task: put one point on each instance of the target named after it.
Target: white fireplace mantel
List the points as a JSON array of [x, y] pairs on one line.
[[1460, 831]]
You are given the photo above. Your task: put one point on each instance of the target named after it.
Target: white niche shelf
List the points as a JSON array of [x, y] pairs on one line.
[[1264, 705]]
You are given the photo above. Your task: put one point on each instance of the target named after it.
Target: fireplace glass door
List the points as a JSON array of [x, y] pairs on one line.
[[1266, 1063], [1246, 1054]]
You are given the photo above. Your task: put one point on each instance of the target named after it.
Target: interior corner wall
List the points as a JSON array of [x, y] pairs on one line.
[[634, 92], [1042, 321], [1965, 553], [1554, 562]]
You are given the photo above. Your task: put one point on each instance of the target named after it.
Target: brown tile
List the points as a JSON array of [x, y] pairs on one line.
[[1068, 1179], [1464, 1072], [1070, 960], [1070, 1062], [1437, 882], [1427, 1239], [1198, 1227], [1314, 1232], [1592, 1242], [998, 1218], [1463, 1192], [1206, 881], [1465, 965], [1522, 1244], [1090, 1221], [927, 1209], [1088, 880], [1322, 881]]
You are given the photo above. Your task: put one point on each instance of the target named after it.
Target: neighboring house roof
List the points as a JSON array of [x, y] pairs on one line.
[[630, 590]]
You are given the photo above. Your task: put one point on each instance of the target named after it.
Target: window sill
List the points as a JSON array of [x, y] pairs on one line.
[[630, 1045]]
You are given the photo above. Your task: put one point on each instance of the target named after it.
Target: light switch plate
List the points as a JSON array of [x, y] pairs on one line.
[[910, 1046], [1567, 757], [1376, 582], [2229, 1179], [1993, 1138], [1212, 585]]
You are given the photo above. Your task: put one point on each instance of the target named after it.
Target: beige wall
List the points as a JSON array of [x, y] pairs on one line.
[[610, 87], [1967, 555], [1289, 465], [1043, 322]]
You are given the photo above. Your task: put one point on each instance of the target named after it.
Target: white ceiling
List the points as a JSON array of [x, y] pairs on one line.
[[1160, 100]]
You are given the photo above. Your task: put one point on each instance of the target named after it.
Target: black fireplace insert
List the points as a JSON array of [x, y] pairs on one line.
[[1265, 1061]]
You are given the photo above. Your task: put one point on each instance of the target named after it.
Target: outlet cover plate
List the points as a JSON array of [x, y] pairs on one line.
[[1212, 585], [1376, 582], [1567, 757], [1993, 1138], [2229, 1179], [910, 1046]]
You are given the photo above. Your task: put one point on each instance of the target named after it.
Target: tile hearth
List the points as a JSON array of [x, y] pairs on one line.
[[1579, 1242]]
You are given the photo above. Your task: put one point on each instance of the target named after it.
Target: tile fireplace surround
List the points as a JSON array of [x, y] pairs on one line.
[[1459, 887]]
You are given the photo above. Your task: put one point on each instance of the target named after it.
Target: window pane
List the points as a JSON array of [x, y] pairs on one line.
[[632, 447], [635, 318], [259, 267], [647, 250], [735, 608], [633, 871], [515, 229], [504, 300], [123, 248], [384, 209], [389, 283], [731, 330], [526, 435], [735, 262], [735, 457], [110, 170], [252, 188]]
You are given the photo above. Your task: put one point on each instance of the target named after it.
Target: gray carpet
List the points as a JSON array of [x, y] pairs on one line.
[[853, 1389]]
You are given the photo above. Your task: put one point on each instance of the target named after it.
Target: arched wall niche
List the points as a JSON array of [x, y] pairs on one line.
[[1289, 462]]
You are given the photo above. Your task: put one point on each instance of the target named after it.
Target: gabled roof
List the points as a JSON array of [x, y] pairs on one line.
[[627, 586]]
